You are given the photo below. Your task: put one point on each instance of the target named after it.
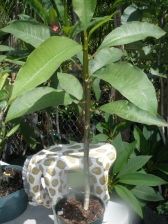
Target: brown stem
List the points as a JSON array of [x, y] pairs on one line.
[[86, 88]]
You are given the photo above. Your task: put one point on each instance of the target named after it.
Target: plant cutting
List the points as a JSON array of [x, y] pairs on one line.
[[29, 93]]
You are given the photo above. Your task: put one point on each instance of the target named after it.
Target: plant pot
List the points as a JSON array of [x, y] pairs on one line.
[[13, 204], [79, 197]]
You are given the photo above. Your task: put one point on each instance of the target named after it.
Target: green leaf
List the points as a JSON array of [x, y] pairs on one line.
[[40, 10], [2, 57], [60, 6], [13, 130], [141, 179], [132, 83], [3, 95], [129, 12], [6, 48], [52, 16], [123, 156], [131, 32], [43, 62], [28, 31], [35, 100], [99, 138], [71, 85], [85, 10], [3, 78], [3, 104], [146, 193], [14, 61], [119, 144], [129, 111], [96, 88], [128, 196], [104, 57], [134, 164]]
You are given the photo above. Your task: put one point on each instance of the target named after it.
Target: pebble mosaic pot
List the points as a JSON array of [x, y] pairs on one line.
[[52, 165], [14, 204]]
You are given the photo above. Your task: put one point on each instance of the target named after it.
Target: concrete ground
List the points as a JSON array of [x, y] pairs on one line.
[[115, 213]]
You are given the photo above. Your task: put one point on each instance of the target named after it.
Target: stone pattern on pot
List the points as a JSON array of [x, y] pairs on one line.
[[46, 172]]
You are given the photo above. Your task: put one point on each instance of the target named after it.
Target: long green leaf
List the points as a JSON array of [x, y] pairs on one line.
[[39, 9], [96, 88], [13, 130], [123, 156], [104, 57], [146, 193], [141, 179], [71, 85], [128, 196], [6, 48], [128, 111], [3, 78], [85, 10], [119, 144], [35, 100], [43, 62], [2, 57], [132, 83], [60, 7], [134, 164], [28, 31], [131, 32]]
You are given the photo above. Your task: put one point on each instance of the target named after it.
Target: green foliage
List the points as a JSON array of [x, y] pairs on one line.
[[43, 62], [132, 83], [129, 111], [31, 91], [35, 100], [85, 10], [128, 196], [123, 155], [129, 80], [141, 179], [2, 57], [134, 164], [129, 179], [5, 48], [131, 32], [146, 193], [71, 85], [30, 32], [148, 141], [104, 57], [162, 209], [39, 9]]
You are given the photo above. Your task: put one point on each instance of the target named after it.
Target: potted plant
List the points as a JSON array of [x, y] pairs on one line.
[[13, 199], [108, 63]]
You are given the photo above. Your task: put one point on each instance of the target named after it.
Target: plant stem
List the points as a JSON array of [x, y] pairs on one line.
[[87, 102]]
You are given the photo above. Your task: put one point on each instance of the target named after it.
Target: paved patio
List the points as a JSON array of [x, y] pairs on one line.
[[115, 214]]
